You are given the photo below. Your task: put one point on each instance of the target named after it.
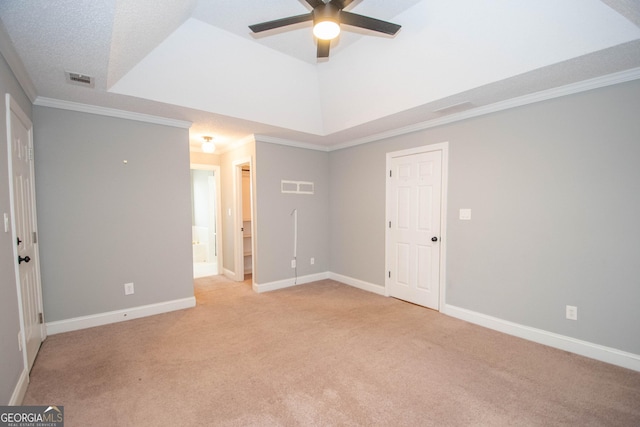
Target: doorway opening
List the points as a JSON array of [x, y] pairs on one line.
[[205, 220], [244, 221]]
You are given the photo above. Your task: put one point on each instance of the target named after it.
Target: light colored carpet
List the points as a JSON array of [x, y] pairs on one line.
[[320, 354]]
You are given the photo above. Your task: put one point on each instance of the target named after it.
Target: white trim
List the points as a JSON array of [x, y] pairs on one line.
[[443, 147], [443, 223], [116, 316], [291, 143], [544, 95], [20, 390], [360, 284], [287, 283], [583, 348], [110, 112], [229, 274]]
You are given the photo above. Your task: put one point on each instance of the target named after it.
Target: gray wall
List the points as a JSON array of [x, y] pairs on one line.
[[276, 225], [554, 189], [12, 362], [357, 212], [104, 223]]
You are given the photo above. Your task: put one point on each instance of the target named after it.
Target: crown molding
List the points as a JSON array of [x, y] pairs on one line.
[[291, 143], [574, 88], [110, 112], [10, 55], [570, 89]]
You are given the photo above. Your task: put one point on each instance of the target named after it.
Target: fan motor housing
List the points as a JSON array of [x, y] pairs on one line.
[[326, 12]]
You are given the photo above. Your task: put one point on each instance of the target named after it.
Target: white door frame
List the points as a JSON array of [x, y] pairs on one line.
[[13, 107], [216, 175], [444, 148], [238, 237]]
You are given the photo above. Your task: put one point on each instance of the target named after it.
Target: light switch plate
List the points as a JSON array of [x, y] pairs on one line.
[[465, 214]]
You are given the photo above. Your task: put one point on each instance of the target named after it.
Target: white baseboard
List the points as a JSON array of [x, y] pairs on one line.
[[21, 389], [229, 274], [562, 342], [360, 284], [100, 319], [286, 283]]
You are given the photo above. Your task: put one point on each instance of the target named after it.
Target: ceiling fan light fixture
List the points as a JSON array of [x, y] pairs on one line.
[[327, 16], [326, 30], [207, 145]]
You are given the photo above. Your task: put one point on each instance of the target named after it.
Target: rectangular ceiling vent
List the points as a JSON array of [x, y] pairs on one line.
[[79, 79]]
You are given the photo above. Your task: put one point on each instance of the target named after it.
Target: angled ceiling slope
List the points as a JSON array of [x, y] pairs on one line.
[[198, 61]]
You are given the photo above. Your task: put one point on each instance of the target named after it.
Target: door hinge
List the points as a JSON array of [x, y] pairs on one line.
[[390, 173], [40, 318], [389, 224], [30, 153], [389, 274], [35, 237]]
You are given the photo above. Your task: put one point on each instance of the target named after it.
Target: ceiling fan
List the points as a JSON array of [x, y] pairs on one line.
[[327, 18]]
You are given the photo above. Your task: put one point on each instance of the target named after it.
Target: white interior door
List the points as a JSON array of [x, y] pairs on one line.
[[20, 142], [414, 211]]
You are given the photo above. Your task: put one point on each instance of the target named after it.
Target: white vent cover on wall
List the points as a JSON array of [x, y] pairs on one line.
[[296, 187], [79, 79]]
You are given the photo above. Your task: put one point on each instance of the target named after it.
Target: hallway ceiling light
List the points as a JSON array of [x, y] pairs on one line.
[[207, 145]]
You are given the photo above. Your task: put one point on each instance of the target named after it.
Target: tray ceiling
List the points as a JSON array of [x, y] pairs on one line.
[[197, 60]]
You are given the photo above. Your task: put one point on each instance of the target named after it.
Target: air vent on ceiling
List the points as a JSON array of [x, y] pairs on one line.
[[79, 79]]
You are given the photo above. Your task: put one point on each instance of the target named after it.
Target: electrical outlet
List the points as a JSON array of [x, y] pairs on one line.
[[572, 312], [128, 289], [313, 261], [293, 263]]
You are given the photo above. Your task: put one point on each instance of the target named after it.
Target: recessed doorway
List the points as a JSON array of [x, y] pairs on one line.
[[205, 220]]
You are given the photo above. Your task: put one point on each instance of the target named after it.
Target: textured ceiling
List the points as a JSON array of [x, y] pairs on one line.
[[196, 60]]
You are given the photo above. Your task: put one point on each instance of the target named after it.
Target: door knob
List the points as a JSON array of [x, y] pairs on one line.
[[434, 239], [25, 259]]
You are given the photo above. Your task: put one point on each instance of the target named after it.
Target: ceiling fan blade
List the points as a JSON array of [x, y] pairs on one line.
[[283, 22], [373, 24], [315, 3], [341, 4], [323, 48]]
